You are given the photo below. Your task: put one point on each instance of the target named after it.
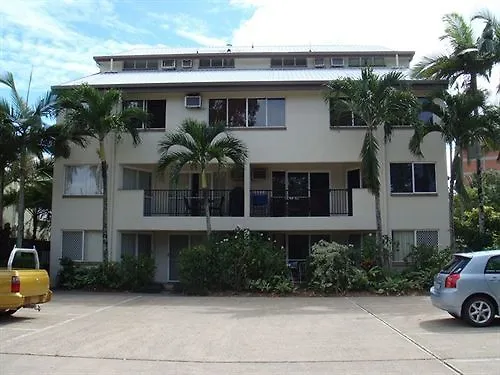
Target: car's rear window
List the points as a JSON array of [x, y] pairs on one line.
[[456, 265]]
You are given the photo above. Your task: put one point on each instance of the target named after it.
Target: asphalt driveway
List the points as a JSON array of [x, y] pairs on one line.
[[94, 333]]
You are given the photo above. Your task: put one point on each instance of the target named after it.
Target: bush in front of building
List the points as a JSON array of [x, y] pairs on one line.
[[237, 261], [131, 274]]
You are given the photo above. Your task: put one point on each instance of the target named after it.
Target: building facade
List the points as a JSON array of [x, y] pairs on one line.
[[302, 181]]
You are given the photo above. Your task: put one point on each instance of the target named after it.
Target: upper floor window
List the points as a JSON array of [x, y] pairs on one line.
[[413, 177], [134, 179], [358, 61], [248, 112], [82, 180], [140, 64], [425, 116], [156, 110], [288, 62], [337, 62], [216, 63], [344, 117]]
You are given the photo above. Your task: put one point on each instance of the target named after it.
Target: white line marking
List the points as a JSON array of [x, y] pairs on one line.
[[72, 319], [17, 329]]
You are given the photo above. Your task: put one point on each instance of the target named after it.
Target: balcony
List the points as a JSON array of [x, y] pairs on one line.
[[263, 203], [287, 203]]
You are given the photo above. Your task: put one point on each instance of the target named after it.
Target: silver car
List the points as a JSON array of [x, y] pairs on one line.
[[469, 287]]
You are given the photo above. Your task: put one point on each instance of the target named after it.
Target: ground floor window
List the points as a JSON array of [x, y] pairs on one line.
[[82, 245], [136, 244], [404, 240], [298, 246], [177, 242]]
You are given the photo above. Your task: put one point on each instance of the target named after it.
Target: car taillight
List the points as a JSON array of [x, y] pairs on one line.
[[451, 280], [15, 284]]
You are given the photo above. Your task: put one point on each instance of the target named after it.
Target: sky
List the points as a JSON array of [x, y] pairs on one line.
[[57, 39]]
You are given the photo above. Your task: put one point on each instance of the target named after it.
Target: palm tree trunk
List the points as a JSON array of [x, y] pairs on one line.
[[451, 202], [104, 174], [35, 223], [380, 246], [20, 206], [2, 186], [204, 190], [479, 170]]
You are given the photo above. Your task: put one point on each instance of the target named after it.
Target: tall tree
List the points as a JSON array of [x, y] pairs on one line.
[[7, 152], [32, 136], [460, 125], [470, 57], [196, 144], [96, 114], [380, 102]]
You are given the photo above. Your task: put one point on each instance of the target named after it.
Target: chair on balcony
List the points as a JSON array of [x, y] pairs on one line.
[[260, 204]]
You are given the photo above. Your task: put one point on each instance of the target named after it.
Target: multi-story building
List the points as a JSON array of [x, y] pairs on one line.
[[302, 181], [489, 161]]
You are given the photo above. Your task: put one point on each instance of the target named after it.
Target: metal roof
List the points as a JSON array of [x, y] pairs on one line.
[[222, 77], [249, 50]]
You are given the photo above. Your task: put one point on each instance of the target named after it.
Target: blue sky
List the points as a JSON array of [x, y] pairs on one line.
[[58, 38]]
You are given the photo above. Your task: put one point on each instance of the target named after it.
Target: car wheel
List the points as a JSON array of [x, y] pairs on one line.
[[7, 312], [456, 316], [479, 311]]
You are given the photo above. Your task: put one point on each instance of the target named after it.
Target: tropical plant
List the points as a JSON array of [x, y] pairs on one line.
[[7, 153], [32, 136], [95, 113], [196, 145], [380, 102], [460, 125], [470, 57]]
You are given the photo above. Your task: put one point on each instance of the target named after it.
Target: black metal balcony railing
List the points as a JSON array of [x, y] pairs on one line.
[[263, 203], [321, 202]]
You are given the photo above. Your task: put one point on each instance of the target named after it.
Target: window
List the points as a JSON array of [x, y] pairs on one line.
[[493, 265], [425, 116], [217, 62], [342, 116], [354, 61], [134, 179], [319, 62], [156, 110], [358, 61], [288, 62], [251, 112], [337, 62], [413, 177], [135, 244], [82, 180], [82, 245], [178, 242], [404, 240], [140, 65]]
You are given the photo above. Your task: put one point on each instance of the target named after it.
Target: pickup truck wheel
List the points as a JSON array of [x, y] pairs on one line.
[[7, 312]]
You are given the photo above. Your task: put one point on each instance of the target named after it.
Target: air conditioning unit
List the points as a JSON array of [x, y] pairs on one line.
[[192, 101], [187, 64], [259, 173], [168, 64]]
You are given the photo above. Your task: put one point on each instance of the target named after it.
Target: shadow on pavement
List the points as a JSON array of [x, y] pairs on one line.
[[458, 326], [12, 319]]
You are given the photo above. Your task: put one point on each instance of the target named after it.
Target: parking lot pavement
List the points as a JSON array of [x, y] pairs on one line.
[[101, 333]]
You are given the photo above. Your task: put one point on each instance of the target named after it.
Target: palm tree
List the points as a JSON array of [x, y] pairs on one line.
[[197, 145], [470, 57], [380, 102], [459, 124], [7, 153], [95, 114], [31, 135]]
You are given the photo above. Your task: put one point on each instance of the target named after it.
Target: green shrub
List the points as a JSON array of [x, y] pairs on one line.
[[332, 270], [195, 269], [237, 261], [277, 284], [130, 274], [423, 263]]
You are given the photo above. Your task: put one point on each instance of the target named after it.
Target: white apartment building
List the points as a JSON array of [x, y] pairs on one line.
[[302, 181]]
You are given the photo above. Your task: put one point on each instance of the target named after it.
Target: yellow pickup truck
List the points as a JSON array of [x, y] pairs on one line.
[[23, 287]]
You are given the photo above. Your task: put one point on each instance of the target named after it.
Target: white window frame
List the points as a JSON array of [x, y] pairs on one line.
[[136, 244], [246, 112], [414, 236], [337, 65], [137, 171], [145, 108], [413, 192], [223, 66], [146, 68], [98, 176], [282, 65], [82, 231]]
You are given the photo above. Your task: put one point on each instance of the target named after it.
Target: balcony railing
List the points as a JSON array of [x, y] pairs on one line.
[[321, 202], [263, 203]]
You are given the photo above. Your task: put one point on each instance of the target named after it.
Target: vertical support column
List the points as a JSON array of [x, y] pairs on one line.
[[246, 189]]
